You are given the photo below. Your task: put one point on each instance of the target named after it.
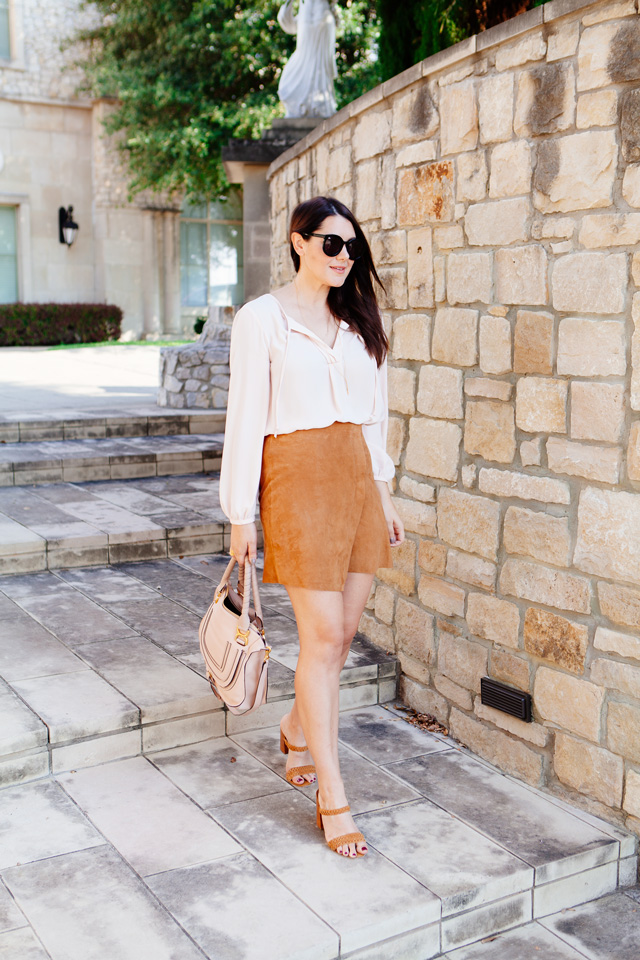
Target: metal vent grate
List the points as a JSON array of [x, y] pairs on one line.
[[500, 697]]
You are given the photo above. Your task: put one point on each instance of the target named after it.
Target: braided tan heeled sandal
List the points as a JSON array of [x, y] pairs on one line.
[[285, 746], [345, 838]]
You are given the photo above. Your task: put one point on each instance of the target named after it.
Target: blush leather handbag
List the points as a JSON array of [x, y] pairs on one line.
[[233, 643]]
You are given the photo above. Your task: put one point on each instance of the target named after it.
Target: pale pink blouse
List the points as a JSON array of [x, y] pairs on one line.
[[285, 378]]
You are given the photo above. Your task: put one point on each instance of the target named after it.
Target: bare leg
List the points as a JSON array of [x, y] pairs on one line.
[[326, 621]]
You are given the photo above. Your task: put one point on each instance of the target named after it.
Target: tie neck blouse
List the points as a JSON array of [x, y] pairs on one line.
[[286, 378]]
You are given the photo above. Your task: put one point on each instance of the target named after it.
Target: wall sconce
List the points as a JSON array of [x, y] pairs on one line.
[[68, 228]]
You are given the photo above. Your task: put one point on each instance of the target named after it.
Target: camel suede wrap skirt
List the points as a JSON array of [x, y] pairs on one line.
[[320, 509]]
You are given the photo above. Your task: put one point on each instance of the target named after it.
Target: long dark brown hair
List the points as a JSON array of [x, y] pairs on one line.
[[355, 301]]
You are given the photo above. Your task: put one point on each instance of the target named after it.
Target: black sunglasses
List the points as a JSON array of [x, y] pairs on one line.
[[333, 245]]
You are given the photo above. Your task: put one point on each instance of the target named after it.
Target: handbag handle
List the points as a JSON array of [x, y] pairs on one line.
[[250, 578]]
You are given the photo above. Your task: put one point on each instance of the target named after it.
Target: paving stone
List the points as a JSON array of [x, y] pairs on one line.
[[217, 772], [10, 916], [120, 525], [166, 623], [69, 898], [38, 820], [107, 584], [563, 894], [373, 902], [21, 945], [20, 728], [8, 609], [73, 618], [175, 582], [606, 929], [205, 900], [529, 942], [151, 679], [77, 705], [555, 843], [27, 650], [134, 806], [383, 735]]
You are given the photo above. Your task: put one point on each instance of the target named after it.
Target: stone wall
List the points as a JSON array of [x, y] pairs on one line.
[[499, 185]]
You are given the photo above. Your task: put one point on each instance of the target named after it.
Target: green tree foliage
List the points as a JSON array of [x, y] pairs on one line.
[[188, 75]]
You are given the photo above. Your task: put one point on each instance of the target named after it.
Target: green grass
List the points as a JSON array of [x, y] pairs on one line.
[[122, 343]]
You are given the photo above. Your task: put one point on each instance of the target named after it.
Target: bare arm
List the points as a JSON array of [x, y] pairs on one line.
[[287, 19]]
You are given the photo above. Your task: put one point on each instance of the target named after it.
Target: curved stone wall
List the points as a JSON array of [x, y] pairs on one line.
[[499, 185]]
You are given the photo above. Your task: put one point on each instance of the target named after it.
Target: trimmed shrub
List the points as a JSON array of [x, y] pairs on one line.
[[48, 324]]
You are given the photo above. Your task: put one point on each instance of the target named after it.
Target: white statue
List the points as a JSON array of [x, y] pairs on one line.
[[306, 84]]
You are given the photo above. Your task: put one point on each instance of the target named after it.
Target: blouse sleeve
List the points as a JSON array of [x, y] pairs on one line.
[[375, 434], [247, 411]]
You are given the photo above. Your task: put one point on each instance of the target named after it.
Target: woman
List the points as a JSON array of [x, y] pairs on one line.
[[306, 84], [306, 426]]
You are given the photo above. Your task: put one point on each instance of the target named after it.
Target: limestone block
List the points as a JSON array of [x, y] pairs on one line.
[[455, 336], [339, 166], [532, 47], [459, 118], [432, 557], [497, 747], [411, 336], [633, 452], [416, 517], [402, 575], [589, 769], [469, 473], [469, 522], [617, 676], [387, 195], [472, 176], [510, 170], [416, 153], [631, 185], [623, 730], [610, 11], [493, 619], [635, 354], [471, 570], [490, 431], [402, 389], [497, 222], [441, 596], [453, 692], [521, 275], [540, 536], [530, 581], [553, 227], [610, 230], [533, 732], [414, 631], [509, 483], [379, 633], [614, 642], [564, 42], [418, 491], [594, 54], [485, 387], [495, 345], [395, 438], [424, 699], [531, 452], [620, 604], [440, 392], [541, 405], [569, 702], [533, 343], [414, 116], [584, 460], [591, 348], [495, 107], [395, 288], [463, 661], [469, 278], [635, 269], [389, 247], [599, 109], [576, 172], [439, 279], [597, 411], [630, 124], [556, 639], [425, 193], [384, 603], [372, 135], [608, 541], [433, 449], [367, 176], [450, 237], [546, 100], [631, 801], [420, 267], [510, 668]]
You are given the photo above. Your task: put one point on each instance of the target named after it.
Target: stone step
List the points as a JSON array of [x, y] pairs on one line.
[[140, 420], [115, 458], [101, 663], [76, 524]]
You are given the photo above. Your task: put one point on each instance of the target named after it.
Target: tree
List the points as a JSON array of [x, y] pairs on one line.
[[188, 75]]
